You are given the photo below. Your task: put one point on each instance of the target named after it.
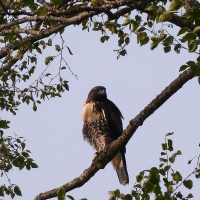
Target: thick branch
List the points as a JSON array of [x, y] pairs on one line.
[[104, 157], [76, 16], [47, 32]]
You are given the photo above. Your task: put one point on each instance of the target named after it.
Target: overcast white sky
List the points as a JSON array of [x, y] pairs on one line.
[[54, 132]]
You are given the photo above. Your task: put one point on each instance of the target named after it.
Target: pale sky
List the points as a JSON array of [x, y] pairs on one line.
[[54, 132]]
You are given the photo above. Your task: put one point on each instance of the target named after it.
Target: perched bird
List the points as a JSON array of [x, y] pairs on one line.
[[102, 125]]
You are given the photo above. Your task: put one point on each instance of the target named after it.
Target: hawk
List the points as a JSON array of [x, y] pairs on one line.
[[102, 125]]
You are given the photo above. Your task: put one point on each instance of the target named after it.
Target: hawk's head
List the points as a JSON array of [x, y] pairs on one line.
[[97, 93]]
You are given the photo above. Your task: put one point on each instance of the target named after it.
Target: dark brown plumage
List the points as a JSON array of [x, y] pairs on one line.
[[102, 125]]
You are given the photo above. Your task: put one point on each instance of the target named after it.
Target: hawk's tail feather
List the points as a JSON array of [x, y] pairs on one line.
[[119, 163]]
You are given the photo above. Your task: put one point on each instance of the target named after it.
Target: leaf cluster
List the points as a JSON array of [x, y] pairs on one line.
[[13, 154], [162, 182]]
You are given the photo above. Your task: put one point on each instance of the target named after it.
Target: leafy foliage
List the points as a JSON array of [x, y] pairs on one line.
[[27, 30], [13, 154], [162, 182]]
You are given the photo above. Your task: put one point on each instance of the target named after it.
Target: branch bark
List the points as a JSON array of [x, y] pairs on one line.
[[105, 156]]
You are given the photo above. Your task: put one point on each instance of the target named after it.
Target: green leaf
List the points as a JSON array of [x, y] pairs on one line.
[[166, 16], [150, 24], [104, 38], [48, 59], [154, 45], [178, 152], [128, 197], [123, 52], [2, 191], [34, 107], [182, 30], [140, 176], [164, 146], [127, 40], [196, 30], [170, 188], [179, 195], [168, 41], [17, 191], [126, 22], [152, 8], [168, 134], [142, 37], [191, 63], [69, 50], [170, 145], [162, 36], [175, 5], [25, 154], [183, 67], [163, 153], [12, 194], [126, 15], [57, 47], [23, 145], [154, 175], [43, 44], [70, 197], [49, 43], [61, 194], [4, 124], [34, 165], [193, 45], [41, 11], [61, 31], [167, 49], [177, 176], [117, 193], [15, 163], [38, 50], [188, 184], [172, 158], [177, 48], [189, 196], [189, 36], [166, 168]]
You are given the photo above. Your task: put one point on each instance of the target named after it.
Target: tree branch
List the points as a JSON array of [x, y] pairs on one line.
[[76, 16], [105, 156]]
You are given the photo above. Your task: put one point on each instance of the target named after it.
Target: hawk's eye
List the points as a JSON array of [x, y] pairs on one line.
[[99, 91]]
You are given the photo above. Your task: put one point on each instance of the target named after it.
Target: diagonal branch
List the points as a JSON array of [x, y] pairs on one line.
[[105, 156]]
